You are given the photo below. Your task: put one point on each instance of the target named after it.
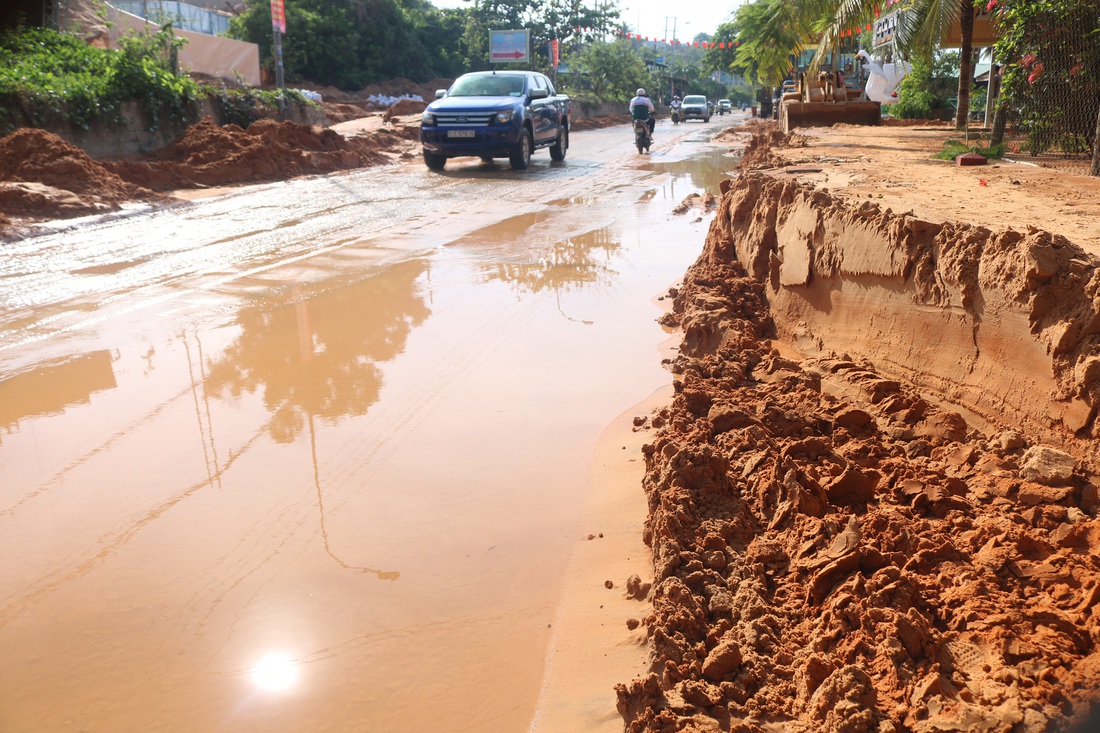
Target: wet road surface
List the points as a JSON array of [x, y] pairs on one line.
[[310, 456]]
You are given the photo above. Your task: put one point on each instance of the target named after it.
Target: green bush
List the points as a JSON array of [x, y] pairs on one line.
[[915, 98], [927, 87], [954, 148], [247, 104], [51, 75], [54, 74]]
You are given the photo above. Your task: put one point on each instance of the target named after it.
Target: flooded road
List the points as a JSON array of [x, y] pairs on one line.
[[311, 456]]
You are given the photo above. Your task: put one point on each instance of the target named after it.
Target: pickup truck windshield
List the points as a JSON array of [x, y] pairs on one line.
[[695, 100], [487, 86]]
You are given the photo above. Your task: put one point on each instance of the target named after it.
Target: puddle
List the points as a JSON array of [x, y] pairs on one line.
[[704, 171], [335, 492]]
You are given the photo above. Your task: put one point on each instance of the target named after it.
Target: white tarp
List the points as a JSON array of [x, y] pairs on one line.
[[882, 81], [224, 58]]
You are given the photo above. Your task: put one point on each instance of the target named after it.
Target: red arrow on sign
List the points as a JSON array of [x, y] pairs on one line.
[[513, 54]]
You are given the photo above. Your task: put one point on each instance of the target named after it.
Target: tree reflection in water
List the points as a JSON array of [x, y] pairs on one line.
[[318, 355], [572, 264]]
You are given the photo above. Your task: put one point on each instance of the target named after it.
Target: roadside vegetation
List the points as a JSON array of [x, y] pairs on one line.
[[341, 46], [954, 148], [1047, 60], [47, 76], [1048, 55]]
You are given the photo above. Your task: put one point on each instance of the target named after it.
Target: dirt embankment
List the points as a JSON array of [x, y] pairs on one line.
[[213, 155], [892, 528], [43, 177]]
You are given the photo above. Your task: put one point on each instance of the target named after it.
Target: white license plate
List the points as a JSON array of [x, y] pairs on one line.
[[460, 133]]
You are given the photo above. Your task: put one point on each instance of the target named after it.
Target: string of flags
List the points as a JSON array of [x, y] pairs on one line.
[[849, 32], [672, 42], [846, 33]]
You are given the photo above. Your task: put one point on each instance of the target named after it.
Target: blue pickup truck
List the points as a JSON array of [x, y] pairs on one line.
[[496, 114]]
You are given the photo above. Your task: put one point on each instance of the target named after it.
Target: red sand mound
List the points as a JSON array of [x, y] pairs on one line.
[[597, 123], [72, 183], [833, 550], [210, 155], [404, 107]]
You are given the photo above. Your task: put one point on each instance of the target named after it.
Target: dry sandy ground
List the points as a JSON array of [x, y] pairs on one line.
[[892, 166], [872, 500]]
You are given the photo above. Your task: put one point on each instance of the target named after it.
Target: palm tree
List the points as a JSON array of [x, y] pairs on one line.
[[930, 22]]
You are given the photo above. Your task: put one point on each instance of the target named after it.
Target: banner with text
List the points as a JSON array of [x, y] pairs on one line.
[[278, 16]]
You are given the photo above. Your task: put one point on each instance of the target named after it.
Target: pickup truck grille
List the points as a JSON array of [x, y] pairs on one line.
[[479, 119]]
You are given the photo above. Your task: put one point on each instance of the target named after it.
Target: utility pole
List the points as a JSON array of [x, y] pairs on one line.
[[671, 58], [279, 82], [278, 28]]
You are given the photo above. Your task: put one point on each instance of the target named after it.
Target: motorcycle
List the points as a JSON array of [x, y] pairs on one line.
[[676, 116], [642, 139]]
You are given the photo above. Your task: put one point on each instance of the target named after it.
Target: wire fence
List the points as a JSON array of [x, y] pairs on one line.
[[1050, 91]]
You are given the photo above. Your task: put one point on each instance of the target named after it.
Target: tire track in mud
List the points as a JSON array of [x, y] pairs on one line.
[[835, 551]]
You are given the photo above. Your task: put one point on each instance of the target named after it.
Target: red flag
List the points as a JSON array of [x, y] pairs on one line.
[[278, 16], [554, 52]]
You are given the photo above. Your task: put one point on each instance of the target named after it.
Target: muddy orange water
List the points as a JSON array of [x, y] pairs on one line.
[[311, 456]]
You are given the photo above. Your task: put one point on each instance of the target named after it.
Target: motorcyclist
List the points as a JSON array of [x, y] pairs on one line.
[[676, 104], [641, 108]]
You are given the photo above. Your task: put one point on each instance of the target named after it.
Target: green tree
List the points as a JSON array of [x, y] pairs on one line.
[[614, 70], [1051, 52], [764, 42], [350, 43], [555, 19]]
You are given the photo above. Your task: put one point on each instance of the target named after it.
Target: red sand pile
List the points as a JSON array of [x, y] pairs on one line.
[[759, 152], [41, 175], [210, 155], [704, 202], [598, 123], [404, 107], [834, 551]]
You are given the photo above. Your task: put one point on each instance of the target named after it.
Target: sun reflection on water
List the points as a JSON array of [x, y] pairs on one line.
[[275, 672]]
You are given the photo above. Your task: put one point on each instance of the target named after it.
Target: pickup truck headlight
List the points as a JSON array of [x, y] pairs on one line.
[[505, 116], [427, 118]]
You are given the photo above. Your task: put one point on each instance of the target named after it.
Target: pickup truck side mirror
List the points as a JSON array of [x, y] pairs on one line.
[[539, 94], [440, 93]]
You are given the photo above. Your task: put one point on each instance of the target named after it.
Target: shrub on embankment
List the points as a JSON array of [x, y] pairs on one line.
[[55, 80]]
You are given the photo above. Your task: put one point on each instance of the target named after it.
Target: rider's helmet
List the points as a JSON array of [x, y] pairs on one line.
[[640, 92], [676, 97]]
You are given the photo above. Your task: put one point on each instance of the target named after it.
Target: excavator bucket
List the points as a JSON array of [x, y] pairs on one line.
[[825, 103]]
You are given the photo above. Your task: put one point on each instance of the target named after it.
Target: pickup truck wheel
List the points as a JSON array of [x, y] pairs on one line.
[[520, 158], [434, 162], [557, 150]]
